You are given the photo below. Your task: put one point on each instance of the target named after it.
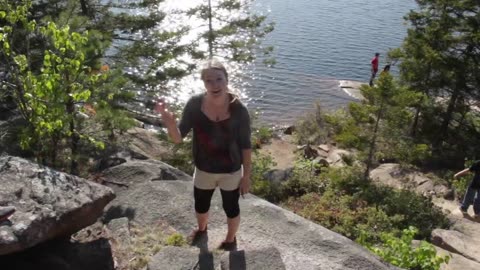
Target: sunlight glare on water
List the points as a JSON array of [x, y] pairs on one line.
[[176, 17], [316, 44]]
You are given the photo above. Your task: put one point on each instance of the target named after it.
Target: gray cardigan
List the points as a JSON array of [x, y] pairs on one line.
[[217, 146]]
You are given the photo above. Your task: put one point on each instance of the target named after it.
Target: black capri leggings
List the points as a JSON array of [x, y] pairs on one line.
[[203, 197]]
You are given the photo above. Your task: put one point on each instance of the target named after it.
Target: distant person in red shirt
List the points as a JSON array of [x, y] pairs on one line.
[[374, 64]]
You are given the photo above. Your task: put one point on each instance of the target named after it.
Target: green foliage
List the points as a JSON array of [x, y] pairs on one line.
[[401, 253], [345, 131], [460, 184], [312, 128], [340, 199], [230, 37], [51, 97], [304, 179], [344, 214], [261, 135], [261, 187], [176, 239], [146, 241], [415, 210], [439, 60], [180, 155]]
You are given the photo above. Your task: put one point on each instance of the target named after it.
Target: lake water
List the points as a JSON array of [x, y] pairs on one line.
[[317, 43]]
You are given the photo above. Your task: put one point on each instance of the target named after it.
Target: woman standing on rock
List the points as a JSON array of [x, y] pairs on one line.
[[221, 147]]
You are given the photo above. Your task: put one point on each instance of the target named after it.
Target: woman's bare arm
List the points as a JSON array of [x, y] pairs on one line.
[[460, 173]]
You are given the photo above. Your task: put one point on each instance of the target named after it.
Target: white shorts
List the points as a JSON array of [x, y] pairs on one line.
[[226, 181]]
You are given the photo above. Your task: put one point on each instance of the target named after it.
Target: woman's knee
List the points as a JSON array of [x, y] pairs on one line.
[[230, 203], [202, 198]]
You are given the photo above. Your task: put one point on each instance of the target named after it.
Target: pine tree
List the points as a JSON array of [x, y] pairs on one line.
[[53, 96], [233, 32], [440, 58], [379, 124]]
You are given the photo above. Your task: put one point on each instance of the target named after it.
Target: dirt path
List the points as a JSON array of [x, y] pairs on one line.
[[282, 151]]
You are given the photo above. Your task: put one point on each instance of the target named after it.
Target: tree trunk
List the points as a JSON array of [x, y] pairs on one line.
[[447, 118], [373, 142], [74, 139], [53, 151], [210, 30], [84, 5], [413, 132]]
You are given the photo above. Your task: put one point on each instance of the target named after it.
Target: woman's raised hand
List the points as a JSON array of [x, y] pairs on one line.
[[161, 108]]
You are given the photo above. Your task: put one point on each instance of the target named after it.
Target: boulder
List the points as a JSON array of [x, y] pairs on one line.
[[49, 204], [388, 174], [393, 175], [457, 242], [265, 259], [281, 234], [62, 255], [324, 147], [335, 157], [132, 172], [120, 231], [277, 176], [456, 261], [147, 143], [180, 258], [289, 130]]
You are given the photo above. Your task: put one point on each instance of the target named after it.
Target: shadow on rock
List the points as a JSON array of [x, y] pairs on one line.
[[265, 259], [237, 260], [474, 219], [118, 211], [206, 261], [62, 255]]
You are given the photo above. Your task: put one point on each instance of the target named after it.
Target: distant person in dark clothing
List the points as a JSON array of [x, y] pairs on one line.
[[374, 64], [472, 195], [221, 148], [386, 69]]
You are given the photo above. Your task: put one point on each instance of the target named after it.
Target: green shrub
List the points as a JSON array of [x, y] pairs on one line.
[[180, 156], [175, 239], [262, 135], [343, 214], [261, 187], [401, 253], [403, 149], [312, 128], [460, 185], [304, 179], [417, 210], [341, 200]]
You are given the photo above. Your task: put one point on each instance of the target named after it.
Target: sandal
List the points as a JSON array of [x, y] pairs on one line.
[[228, 246], [196, 235]]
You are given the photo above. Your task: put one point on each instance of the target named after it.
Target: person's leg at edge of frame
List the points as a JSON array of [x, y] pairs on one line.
[[476, 204], [468, 199], [232, 209]]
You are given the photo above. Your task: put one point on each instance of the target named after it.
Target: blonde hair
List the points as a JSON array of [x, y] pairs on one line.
[[213, 64], [217, 65]]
